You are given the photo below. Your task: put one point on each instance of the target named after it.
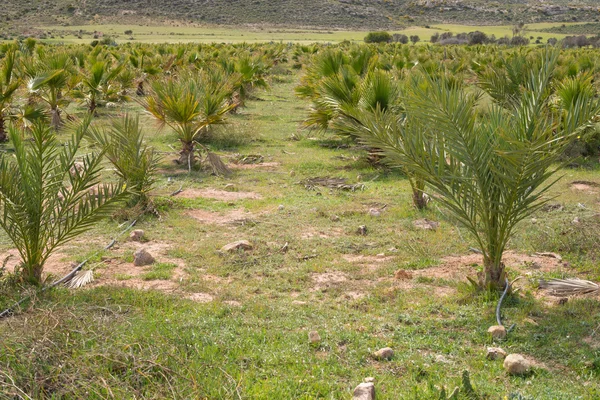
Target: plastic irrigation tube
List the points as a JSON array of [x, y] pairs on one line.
[[9, 311], [498, 319]]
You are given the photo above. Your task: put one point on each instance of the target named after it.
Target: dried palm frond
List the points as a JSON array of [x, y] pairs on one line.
[[81, 279], [569, 287], [219, 168]]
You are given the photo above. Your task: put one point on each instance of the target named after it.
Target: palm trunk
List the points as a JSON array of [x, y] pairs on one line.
[[493, 276], [3, 135], [92, 107], [140, 89], [420, 199], [56, 121], [186, 155], [32, 274]]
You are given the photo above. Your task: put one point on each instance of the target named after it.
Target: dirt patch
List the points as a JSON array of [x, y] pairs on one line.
[[200, 297], [367, 263], [263, 165], [216, 194], [57, 265], [233, 217], [327, 280], [458, 267], [310, 233], [402, 275], [585, 186]]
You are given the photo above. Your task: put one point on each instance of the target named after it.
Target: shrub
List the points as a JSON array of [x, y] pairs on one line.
[[378, 37]]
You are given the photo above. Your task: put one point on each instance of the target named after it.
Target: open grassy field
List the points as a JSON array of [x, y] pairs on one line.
[[202, 324], [186, 34]]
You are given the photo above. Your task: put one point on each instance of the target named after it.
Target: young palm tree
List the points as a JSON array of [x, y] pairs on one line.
[[492, 168], [189, 104], [98, 85], [45, 201], [50, 78], [135, 163], [9, 84]]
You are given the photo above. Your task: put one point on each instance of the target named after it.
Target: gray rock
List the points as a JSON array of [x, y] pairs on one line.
[[426, 224], [516, 364], [362, 230], [495, 353], [384, 354], [141, 257], [364, 391], [136, 235], [498, 332], [240, 244]]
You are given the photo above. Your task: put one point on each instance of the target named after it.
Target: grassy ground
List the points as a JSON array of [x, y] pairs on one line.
[[235, 326], [184, 34]]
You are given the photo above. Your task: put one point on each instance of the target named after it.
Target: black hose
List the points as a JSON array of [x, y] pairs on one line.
[[498, 319]]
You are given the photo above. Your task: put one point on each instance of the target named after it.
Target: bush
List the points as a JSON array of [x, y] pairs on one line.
[[378, 37]]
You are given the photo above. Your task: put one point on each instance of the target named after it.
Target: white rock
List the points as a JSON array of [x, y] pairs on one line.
[[141, 257], [369, 379], [240, 244], [136, 235], [281, 207], [373, 212], [384, 354], [516, 364], [364, 391]]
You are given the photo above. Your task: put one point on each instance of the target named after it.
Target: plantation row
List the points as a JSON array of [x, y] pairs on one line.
[[482, 127]]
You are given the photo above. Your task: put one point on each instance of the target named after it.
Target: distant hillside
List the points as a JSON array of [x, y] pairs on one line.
[[355, 14]]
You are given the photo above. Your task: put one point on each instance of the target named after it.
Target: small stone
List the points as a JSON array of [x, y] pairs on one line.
[[292, 173], [369, 379], [364, 391], [403, 274], [534, 220], [495, 353], [562, 301], [498, 332], [442, 359], [136, 235], [230, 187], [362, 230], [335, 218], [426, 224], [235, 246], [281, 207], [575, 220], [373, 212], [384, 354], [516, 364], [141, 257], [314, 337]]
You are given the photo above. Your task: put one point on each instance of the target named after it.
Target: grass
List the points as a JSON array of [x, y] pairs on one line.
[[250, 341]]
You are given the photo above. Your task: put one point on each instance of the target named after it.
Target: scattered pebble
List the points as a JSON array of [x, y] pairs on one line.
[[362, 230], [235, 246], [441, 359], [426, 224], [495, 353], [314, 337], [516, 364], [335, 218], [141, 257], [403, 274], [364, 391], [373, 212], [281, 207], [369, 379], [384, 354]]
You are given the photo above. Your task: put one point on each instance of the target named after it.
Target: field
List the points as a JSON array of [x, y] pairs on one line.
[[206, 323], [197, 34]]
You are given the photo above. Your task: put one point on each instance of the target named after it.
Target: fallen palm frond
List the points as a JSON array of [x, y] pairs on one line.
[[569, 287], [331, 183], [248, 159], [81, 279], [218, 167]]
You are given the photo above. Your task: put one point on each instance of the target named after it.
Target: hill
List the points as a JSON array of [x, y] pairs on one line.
[[353, 14]]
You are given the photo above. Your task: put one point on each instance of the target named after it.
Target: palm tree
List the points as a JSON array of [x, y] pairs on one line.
[[98, 85], [189, 104], [8, 86], [45, 201], [491, 168], [135, 163], [50, 78]]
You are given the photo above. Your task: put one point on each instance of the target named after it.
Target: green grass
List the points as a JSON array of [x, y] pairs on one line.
[[251, 341]]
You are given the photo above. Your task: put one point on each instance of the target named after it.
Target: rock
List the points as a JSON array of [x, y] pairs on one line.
[[516, 364], [235, 246], [230, 187], [281, 207], [335, 218], [362, 230], [403, 274], [495, 353], [314, 337], [136, 235], [292, 173], [364, 391], [384, 354], [373, 212], [141, 257], [426, 224], [369, 379], [575, 220], [442, 359], [498, 332], [561, 301]]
